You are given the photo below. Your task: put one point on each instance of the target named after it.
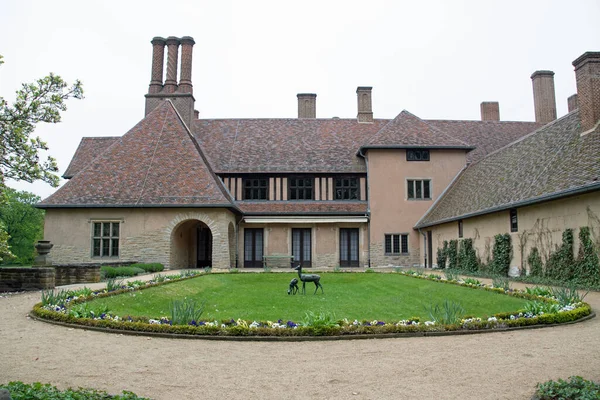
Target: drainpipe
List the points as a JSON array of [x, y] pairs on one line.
[[368, 214]]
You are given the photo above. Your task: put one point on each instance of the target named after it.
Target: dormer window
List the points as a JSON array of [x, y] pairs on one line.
[[301, 188], [417, 155], [256, 188]]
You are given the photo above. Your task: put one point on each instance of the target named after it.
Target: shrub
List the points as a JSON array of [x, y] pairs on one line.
[[501, 254], [442, 255], [149, 267], [536, 267], [452, 254], [560, 263], [114, 272], [448, 313], [587, 265], [21, 391], [186, 311], [467, 256], [576, 388]]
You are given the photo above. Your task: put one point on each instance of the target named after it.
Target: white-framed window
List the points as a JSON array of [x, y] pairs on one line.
[[105, 238], [396, 243], [418, 189]]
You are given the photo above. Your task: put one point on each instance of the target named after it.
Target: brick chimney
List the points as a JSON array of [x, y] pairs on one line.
[[179, 93], [158, 55], [307, 105], [543, 96], [572, 102], [587, 75], [365, 106], [490, 111]]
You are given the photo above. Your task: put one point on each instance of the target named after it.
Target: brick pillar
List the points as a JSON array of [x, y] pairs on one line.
[[543, 96], [490, 111], [307, 105], [587, 75], [185, 79], [158, 55], [173, 50], [572, 102], [365, 106]]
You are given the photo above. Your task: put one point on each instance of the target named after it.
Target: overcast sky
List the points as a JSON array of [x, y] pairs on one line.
[[436, 59]]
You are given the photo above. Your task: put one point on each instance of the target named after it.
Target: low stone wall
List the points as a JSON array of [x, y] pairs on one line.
[[70, 274], [35, 278]]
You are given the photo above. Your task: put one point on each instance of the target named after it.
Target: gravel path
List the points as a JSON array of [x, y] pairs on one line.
[[488, 366]]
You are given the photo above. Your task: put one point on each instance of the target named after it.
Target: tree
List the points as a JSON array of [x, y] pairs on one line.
[[23, 222], [41, 101]]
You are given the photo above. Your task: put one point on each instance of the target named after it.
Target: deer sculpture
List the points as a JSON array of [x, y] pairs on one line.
[[293, 289], [309, 278]]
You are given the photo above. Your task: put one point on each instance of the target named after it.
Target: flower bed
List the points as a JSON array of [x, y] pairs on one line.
[[73, 310]]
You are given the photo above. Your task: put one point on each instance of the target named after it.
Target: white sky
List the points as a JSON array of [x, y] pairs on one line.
[[436, 59]]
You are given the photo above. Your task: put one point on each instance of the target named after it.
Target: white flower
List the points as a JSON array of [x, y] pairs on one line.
[[429, 323], [492, 319]]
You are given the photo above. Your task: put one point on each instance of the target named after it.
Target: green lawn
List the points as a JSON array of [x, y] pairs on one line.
[[347, 295]]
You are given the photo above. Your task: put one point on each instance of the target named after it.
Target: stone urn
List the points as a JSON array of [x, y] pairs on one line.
[[43, 249]]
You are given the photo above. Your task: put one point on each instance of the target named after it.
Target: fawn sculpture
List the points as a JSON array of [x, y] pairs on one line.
[[309, 278], [293, 289]]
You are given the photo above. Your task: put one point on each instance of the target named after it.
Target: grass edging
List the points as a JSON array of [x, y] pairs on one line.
[[242, 331]]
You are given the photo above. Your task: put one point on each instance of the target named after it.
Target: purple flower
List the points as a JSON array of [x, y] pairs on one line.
[[380, 323], [201, 323], [193, 323], [291, 324]]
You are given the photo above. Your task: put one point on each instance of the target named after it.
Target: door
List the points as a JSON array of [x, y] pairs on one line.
[[253, 248], [204, 258], [301, 247], [348, 247]]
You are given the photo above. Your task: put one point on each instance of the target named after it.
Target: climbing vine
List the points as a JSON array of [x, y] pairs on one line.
[[442, 255], [536, 267], [560, 264], [452, 254], [467, 256], [587, 268], [501, 254]]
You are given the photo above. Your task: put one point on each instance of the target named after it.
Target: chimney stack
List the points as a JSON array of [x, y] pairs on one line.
[[173, 55], [307, 105], [185, 79], [543, 96], [365, 106], [158, 55], [572, 102], [490, 111], [587, 75]]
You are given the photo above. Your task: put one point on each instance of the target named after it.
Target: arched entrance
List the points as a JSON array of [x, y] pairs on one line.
[[191, 245]]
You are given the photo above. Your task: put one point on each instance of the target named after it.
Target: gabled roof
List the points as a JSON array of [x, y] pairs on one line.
[[89, 148], [156, 163], [552, 162], [284, 145], [409, 131]]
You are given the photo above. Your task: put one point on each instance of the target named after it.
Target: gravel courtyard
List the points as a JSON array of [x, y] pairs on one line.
[[484, 366]]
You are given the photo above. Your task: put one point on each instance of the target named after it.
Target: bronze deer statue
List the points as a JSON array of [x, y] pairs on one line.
[[309, 278], [293, 289]]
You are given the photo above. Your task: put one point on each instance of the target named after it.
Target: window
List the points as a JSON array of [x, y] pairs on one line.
[[105, 239], [417, 155], [256, 188], [418, 189], [346, 188], [460, 228], [514, 225], [396, 244], [300, 188]]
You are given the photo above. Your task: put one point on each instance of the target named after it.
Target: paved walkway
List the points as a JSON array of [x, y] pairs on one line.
[[501, 365]]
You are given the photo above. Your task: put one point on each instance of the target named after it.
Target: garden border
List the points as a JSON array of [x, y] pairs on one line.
[[306, 338]]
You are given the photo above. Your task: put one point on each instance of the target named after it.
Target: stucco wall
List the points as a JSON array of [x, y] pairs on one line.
[[146, 235], [391, 211], [540, 225]]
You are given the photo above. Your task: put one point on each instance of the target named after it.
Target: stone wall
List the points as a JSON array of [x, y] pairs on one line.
[[379, 259], [70, 274], [35, 278]]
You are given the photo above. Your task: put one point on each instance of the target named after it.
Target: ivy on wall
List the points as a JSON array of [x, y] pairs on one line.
[[452, 254], [442, 255], [560, 264], [501, 254], [534, 261], [587, 268], [467, 256]]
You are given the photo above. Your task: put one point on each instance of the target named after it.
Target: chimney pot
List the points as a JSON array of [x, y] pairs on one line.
[[173, 55], [365, 106], [543, 96], [572, 102], [196, 114], [158, 55], [490, 111], [307, 105], [587, 75], [185, 79]]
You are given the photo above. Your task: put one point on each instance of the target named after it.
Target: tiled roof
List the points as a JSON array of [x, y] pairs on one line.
[[303, 207], [89, 148], [485, 136], [407, 130], [157, 163], [284, 145], [552, 161]]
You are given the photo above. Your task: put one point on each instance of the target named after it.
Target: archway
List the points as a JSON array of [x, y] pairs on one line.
[[191, 245]]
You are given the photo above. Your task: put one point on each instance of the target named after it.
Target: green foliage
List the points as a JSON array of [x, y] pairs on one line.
[[54, 298], [539, 291], [442, 255], [149, 267], [541, 307], [536, 267], [266, 268], [88, 310], [234, 271], [472, 281], [451, 275], [452, 254], [369, 270], [114, 272], [560, 265], [185, 311], [501, 282], [23, 223], [448, 313], [576, 388], [567, 295], [467, 256], [23, 391], [318, 319], [113, 284], [207, 270], [501, 254], [587, 265]]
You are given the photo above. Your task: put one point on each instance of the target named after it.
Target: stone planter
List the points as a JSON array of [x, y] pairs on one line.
[[43, 248]]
